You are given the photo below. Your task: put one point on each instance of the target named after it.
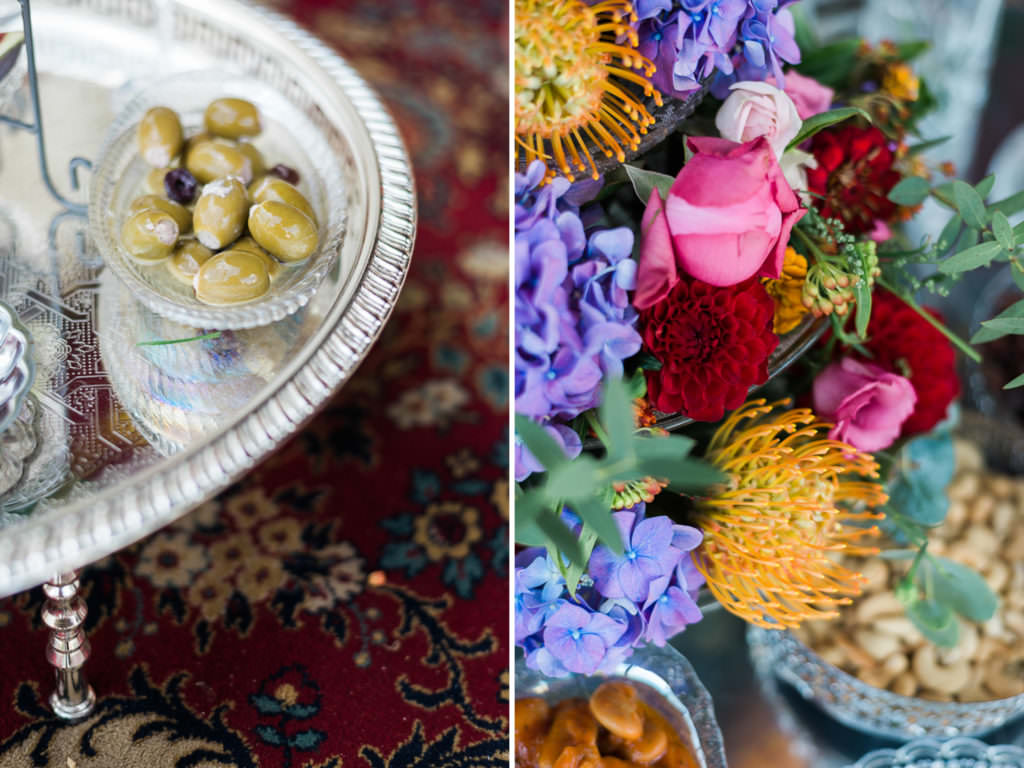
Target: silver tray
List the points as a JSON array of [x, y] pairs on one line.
[[108, 468]]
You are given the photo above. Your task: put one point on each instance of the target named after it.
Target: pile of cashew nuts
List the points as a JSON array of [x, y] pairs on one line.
[[876, 642]]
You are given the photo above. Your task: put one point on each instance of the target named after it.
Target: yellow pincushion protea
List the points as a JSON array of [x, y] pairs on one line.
[[572, 64], [900, 82], [787, 292], [773, 535]]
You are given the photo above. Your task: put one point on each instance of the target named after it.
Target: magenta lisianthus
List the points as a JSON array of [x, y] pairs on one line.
[[727, 217], [809, 96], [868, 404]]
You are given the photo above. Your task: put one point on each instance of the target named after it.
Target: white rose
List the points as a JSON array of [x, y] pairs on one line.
[[794, 165], [758, 109]]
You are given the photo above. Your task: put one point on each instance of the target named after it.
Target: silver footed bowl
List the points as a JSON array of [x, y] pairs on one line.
[[666, 681], [16, 368], [955, 753], [854, 703]]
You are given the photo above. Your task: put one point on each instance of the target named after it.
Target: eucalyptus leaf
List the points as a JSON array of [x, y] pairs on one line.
[[936, 621], [598, 516], [575, 571], [645, 181], [984, 186], [1013, 325], [949, 233], [911, 49], [566, 480], [924, 146], [1018, 275], [910, 191], [1009, 205], [986, 334], [1014, 383], [616, 414], [980, 255], [1002, 230], [528, 507], [964, 590], [823, 120], [970, 204], [561, 536], [542, 445]]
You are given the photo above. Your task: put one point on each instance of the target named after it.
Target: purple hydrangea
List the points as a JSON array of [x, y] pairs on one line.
[[645, 595], [690, 40], [574, 322]]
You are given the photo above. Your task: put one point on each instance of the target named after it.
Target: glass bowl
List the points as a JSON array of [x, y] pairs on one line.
[[865, 708], [295, 133], [955, 753], [665, 680], [17, 369]]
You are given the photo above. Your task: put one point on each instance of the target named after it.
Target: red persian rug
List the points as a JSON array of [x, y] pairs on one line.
[[346, 604]]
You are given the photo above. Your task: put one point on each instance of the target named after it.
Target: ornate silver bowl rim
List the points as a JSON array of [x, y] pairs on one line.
[[93, 527], [864, 707], [955, 753], [14, 361]]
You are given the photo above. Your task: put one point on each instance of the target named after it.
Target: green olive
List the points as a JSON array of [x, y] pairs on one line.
[[231, 277], [219, 217], [153, 183], [272, 188], [191, 141], [214, 158], [160, 136], [249, 245], [284, 231], [187, 259], [150, 235], [232, 118], [180, 213], [259, 165]]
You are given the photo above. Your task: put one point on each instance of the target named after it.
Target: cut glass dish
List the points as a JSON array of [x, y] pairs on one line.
[[955, 753]]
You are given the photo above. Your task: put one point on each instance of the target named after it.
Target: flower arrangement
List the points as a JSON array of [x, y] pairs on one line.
[[661, 293]]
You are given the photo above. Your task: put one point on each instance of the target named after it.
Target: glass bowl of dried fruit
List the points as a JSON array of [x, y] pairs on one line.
[[219, 201], [652, 709]]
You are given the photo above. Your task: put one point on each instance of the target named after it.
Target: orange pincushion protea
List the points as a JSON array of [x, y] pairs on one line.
[[771, 536], [572, 64]]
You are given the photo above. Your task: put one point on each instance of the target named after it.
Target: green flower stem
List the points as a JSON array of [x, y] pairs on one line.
[[818, 254], [962, 345]]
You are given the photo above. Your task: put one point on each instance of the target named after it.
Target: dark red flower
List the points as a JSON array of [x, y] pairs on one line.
[[854, 175], [713, 344], [903, 342]]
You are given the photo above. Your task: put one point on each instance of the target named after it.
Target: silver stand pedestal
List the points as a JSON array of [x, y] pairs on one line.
[[68, 648]]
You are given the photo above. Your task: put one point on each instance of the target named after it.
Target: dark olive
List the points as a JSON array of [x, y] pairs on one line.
[[180, 185]]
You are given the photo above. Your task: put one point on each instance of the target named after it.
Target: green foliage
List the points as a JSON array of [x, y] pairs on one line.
[[821, 121], [584, 484], [644, 182], [913, 190], [831, 64]]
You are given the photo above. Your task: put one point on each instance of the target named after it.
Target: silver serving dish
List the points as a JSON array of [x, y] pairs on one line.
[[955, 753], [16, 367], [121, 461], [864, 707], [665, 680]]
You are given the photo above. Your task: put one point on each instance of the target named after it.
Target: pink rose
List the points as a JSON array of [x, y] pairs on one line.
[[809, 96], [727, 217], [867, 403], [758, 109]]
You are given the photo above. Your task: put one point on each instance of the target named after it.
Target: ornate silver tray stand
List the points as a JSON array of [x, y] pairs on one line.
[[112, 456]]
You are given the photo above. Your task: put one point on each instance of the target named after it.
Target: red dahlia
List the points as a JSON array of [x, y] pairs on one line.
[[713, 344], [854, 175], [903, 342]]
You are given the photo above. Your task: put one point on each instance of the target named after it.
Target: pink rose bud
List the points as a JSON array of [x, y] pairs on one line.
[[809, 96], [867, 403], [727, 217], [758, 109]]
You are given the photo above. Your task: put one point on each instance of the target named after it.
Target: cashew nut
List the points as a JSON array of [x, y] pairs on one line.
[[964, 486], [876, 606], [967, 455], [877, 574], [877, 644], [997, 576], [1000, 485], [1005, 676], [901, 627], [1014, 621], [946, 679], [1003, 517], [905, 684], [981, 539], [980, 510], [833, 654]]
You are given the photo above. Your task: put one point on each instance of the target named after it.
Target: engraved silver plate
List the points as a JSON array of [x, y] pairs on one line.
[[130, 437]]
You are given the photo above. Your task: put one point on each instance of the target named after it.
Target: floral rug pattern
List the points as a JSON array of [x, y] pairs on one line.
[[345, 604]]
